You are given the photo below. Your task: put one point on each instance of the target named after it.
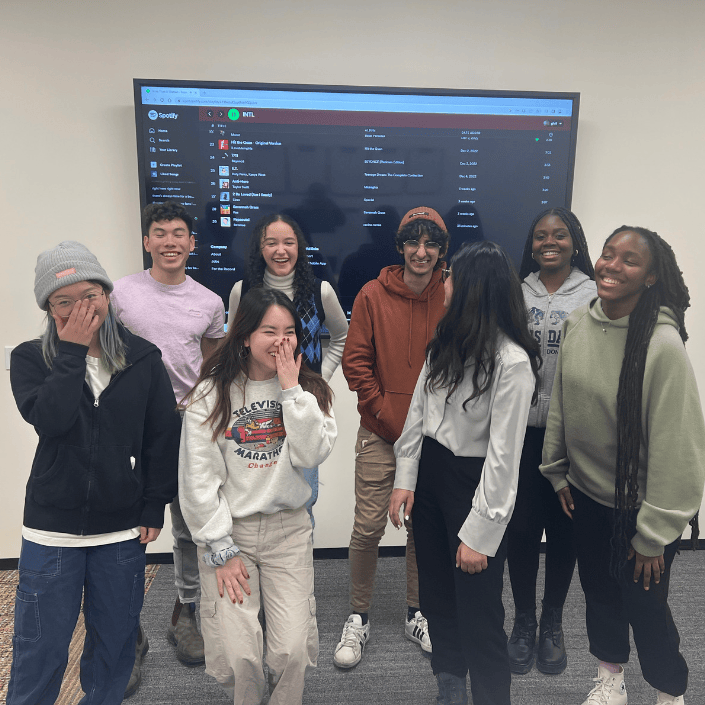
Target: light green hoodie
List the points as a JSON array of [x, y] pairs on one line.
[[580, 447]]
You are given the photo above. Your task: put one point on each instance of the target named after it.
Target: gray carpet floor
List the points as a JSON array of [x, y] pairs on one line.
[[395, 671]]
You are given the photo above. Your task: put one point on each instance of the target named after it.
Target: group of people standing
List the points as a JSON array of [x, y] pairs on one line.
[[491, 410]]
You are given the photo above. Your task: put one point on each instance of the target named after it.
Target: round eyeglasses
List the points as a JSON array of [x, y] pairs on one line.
[[63, 305], [413, 245]]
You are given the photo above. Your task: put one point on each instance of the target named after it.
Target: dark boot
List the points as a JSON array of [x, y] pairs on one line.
[[552, 658], [183, 634], [522, 642], [141, 648], [451, 690]]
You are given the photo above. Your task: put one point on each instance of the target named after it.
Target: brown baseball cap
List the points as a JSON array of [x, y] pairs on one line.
[[425, 213]]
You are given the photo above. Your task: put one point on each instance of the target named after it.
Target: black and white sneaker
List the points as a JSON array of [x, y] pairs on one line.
[[417, 630], [348, 653]]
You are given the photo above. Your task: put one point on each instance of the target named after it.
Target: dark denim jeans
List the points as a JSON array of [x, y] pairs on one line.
[[47, 605]]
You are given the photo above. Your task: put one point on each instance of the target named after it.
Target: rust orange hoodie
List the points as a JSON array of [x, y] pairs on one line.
[[386, 345]]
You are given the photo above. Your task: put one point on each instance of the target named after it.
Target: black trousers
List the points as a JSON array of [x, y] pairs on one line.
[[537, 509], [612, 605], [465, 612]]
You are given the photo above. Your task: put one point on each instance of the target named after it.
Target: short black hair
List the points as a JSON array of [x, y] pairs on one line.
[[166, 210]]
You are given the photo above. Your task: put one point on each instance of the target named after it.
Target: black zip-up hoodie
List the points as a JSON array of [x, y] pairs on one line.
[[82, 480]]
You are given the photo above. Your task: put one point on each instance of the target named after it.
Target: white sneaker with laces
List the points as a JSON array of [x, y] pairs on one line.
[[348, 653], [666, 699], [417, 630], [610, 688]]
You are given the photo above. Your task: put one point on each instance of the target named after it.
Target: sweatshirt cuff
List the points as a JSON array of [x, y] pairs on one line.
[[72, 348], [482, 535], [152, 515], [646, 547], [221, 544], [292, 393], [558, 483]]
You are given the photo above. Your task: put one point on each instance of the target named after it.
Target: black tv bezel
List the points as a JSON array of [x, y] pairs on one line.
[[138, 83]]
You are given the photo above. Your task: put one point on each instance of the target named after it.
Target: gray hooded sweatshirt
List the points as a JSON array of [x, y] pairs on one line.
[[546, 315]]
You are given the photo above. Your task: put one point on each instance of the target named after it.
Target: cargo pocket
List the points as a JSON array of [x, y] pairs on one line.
[[27, 626], [312, 641], [214, 645]]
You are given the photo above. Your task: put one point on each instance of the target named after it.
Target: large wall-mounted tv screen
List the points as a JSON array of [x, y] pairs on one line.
[[346, 163]]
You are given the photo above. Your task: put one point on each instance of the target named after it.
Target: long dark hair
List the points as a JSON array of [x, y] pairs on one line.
[[487, 299], [669, 290], [228, 364], [304, 279], [581, 260]]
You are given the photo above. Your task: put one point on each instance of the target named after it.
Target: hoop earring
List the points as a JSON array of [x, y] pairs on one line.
[[243, 353], [532, 256]]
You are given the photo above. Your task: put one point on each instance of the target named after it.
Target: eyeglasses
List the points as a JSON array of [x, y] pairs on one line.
[[413, 245], [445, 273], [63, 305]]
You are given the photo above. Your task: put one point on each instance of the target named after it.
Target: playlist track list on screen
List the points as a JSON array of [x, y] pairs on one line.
[[346, 166]]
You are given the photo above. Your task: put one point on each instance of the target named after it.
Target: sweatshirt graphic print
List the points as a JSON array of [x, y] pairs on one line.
[[258, 431]]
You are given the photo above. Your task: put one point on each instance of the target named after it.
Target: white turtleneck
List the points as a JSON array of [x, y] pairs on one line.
[[335, 320]]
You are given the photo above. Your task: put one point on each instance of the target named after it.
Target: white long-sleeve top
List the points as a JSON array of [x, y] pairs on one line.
[[335, 320], [492, 426], [255, 465]]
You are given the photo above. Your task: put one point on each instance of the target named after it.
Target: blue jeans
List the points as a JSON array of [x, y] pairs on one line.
[[47, 606], [311, 476]]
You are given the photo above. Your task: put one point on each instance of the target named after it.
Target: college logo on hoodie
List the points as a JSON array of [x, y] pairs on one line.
[[258, 430]]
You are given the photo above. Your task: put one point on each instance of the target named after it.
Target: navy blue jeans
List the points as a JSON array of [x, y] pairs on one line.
[[47, 605]]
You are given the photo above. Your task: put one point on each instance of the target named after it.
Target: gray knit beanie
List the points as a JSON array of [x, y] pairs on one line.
[[69, 262]]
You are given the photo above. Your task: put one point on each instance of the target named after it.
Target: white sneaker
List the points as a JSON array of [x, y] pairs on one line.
[[665, 699], [349, 650], [610, 688], [417, 630]]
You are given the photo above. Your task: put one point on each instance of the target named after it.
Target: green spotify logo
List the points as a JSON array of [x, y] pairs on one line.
[[233, 113]]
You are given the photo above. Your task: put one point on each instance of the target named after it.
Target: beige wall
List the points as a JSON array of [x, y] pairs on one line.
[[67, 138]]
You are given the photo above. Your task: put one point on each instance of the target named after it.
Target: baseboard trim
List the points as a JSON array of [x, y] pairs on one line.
[[322, 554]]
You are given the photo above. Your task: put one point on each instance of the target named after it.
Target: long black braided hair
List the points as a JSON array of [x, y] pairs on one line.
[[668, 290], [304, 278], [581, 260]]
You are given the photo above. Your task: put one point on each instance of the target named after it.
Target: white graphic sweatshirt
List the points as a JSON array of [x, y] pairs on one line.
[[254, 466]]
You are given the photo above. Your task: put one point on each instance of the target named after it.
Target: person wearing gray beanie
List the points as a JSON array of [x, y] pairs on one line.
[[67, 263], [103, 407]]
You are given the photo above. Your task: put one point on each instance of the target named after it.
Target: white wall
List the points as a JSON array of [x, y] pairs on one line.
[[67, 138]]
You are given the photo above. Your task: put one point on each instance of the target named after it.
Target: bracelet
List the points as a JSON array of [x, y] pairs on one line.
[[220, 558]]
